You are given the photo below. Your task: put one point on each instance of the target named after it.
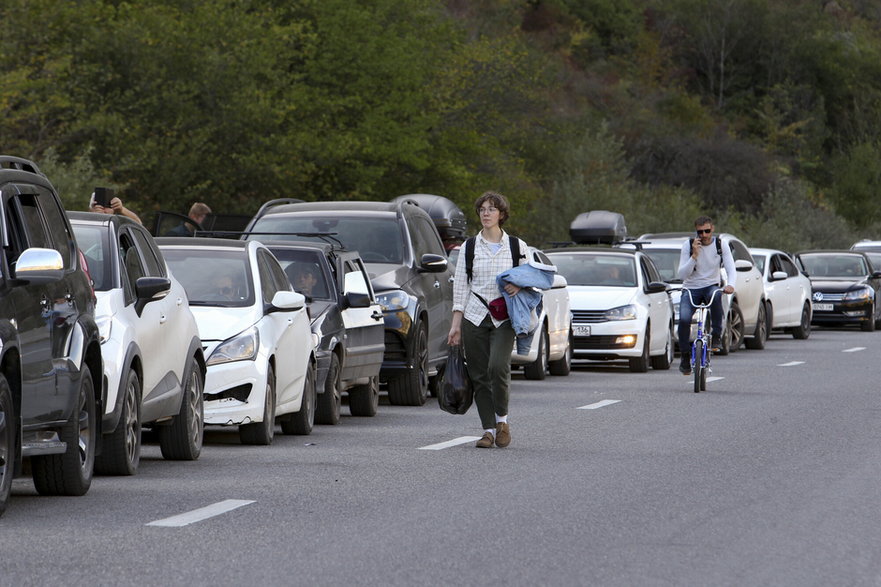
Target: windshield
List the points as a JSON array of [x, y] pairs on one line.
[[760, 262], [303, 269], [376, 238], [667, 263], [833, 265], [94, 243], [212, 277], [595, 269]]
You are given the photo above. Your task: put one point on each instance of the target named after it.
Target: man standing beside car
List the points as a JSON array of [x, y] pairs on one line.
[[700, 269]]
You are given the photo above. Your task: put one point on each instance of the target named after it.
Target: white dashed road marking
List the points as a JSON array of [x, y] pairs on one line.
[[449, 443], [855, 349], [791, 364], [215, 509], [710, 379], [605, 402]]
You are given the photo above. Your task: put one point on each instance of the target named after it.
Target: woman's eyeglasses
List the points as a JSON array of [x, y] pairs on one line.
[[488, 210]]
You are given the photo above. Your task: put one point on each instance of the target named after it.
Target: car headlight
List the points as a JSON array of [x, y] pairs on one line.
[[627, 312], [241, 347], [863, 293], [105, 326], [393, 300]]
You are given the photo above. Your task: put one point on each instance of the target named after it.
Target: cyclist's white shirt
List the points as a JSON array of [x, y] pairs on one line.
[[706, 270]]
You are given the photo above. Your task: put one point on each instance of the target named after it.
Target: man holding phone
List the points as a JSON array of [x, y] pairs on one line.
[[700, 269], [104, 202]]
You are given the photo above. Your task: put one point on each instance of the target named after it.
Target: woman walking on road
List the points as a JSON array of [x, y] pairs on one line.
[[488, 341]]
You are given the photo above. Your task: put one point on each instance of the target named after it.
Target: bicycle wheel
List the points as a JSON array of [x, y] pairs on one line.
[[700, 374]]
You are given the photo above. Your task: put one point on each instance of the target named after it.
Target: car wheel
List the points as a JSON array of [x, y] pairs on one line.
[[735, 327], [70, 473], [641, 363], [7, 442], [663, 362], [262, 433], [563, 365], [327, 410], [803, 330], [869, 325], [364, 399], [411, 389], [757, 342], [537, 369], [121, 450], [182, 440], [301, 422]]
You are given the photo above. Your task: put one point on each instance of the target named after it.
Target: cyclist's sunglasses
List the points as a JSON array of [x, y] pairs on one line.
[[704, 231]]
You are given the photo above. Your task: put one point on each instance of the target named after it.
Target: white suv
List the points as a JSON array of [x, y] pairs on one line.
[[746, 310], [153, 364]]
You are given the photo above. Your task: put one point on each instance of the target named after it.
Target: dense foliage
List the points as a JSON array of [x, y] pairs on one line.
[[765, 114]]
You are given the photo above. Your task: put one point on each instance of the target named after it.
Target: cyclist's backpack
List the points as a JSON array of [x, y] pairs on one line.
[[718, 247], [513, 242]]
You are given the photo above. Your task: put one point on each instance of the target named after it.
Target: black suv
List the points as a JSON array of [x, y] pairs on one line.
[[50, 355], [409, 271], [347, 320]]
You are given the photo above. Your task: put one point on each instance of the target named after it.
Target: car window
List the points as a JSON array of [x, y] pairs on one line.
[[760, 263], [267, 283], [36, 234], [739, 251], [378, 239], [282, 283], [94, 242], [212, 276], [59, 236], [589, 269], [789, 266], [426, 239], [355, 280], [132, 268], [154, 266], [874, 259], [666, 262], [651, 271], [303, 270]]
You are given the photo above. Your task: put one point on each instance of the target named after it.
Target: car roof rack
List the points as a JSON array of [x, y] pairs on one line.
[[276, 202], [10, 162], [328, 237]]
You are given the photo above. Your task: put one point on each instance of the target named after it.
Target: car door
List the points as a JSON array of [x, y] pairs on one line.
[[800, 287], [277, 331], [658, 304], [437, 287], [750, 285], [778, 291], [363, 322]]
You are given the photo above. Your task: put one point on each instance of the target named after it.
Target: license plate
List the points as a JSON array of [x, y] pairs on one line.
[[823, 307], [581, 330]]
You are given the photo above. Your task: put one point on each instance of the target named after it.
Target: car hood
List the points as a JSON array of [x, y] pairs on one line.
[[221, 323], [387, 276], [837, 285], [595, 297]]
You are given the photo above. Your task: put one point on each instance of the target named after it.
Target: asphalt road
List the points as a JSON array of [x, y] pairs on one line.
[[768, 478]]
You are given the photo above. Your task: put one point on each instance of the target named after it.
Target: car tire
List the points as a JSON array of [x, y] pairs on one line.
[[302, 421], [182, 440], [537, 369], [121, 449], [663, 362], [803, 330], [869, 325], [760, 336], [563, 365], [262, 433], [411, 389], [734, 327], [327, 405], [71, 473], [8, 442], [364, 399], [641, 363]]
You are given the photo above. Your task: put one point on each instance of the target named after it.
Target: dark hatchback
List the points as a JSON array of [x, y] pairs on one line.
[[844, 288], [347, 319]]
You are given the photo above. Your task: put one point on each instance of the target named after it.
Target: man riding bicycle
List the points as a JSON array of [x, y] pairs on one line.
[[700, 264]]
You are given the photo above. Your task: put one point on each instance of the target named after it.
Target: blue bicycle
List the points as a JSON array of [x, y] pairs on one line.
[[701, 349]]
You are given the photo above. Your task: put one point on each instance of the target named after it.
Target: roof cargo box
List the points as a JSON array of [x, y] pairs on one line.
[[447, 216], [598, 227]]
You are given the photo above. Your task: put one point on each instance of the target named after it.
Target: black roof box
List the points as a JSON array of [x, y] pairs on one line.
[[447, 216], [598, 227]]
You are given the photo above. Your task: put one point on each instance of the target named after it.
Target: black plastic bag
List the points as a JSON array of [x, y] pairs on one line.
[[456, 393]]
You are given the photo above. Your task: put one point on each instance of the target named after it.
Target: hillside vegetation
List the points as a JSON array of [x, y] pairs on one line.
[[765, 114]]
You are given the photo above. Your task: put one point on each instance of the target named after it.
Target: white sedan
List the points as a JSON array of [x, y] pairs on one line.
[[787, 290], [256, 334], [620, 306]]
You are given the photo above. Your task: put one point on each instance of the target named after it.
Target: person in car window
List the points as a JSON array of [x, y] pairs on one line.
[[700, 271], [304, 279], [223, 288], [487, 341], [198, 212]]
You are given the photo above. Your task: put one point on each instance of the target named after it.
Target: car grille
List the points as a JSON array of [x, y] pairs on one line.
[[604, 342], [240, 392], [588, 316], [832, 297], [394, 347]]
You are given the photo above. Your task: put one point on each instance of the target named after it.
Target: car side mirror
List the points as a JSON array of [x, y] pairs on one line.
[[742, 265], [876, 274], [287, 301], [357, 300], [559, 281], [36, 265], [656, 287], [778, 276], [150, 289], [431, 263]]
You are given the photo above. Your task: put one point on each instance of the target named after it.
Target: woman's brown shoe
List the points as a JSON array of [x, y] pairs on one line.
[[486, 441], [503, 435]]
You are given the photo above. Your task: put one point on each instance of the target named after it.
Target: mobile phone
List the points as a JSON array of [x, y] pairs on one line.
[[103, 196]]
